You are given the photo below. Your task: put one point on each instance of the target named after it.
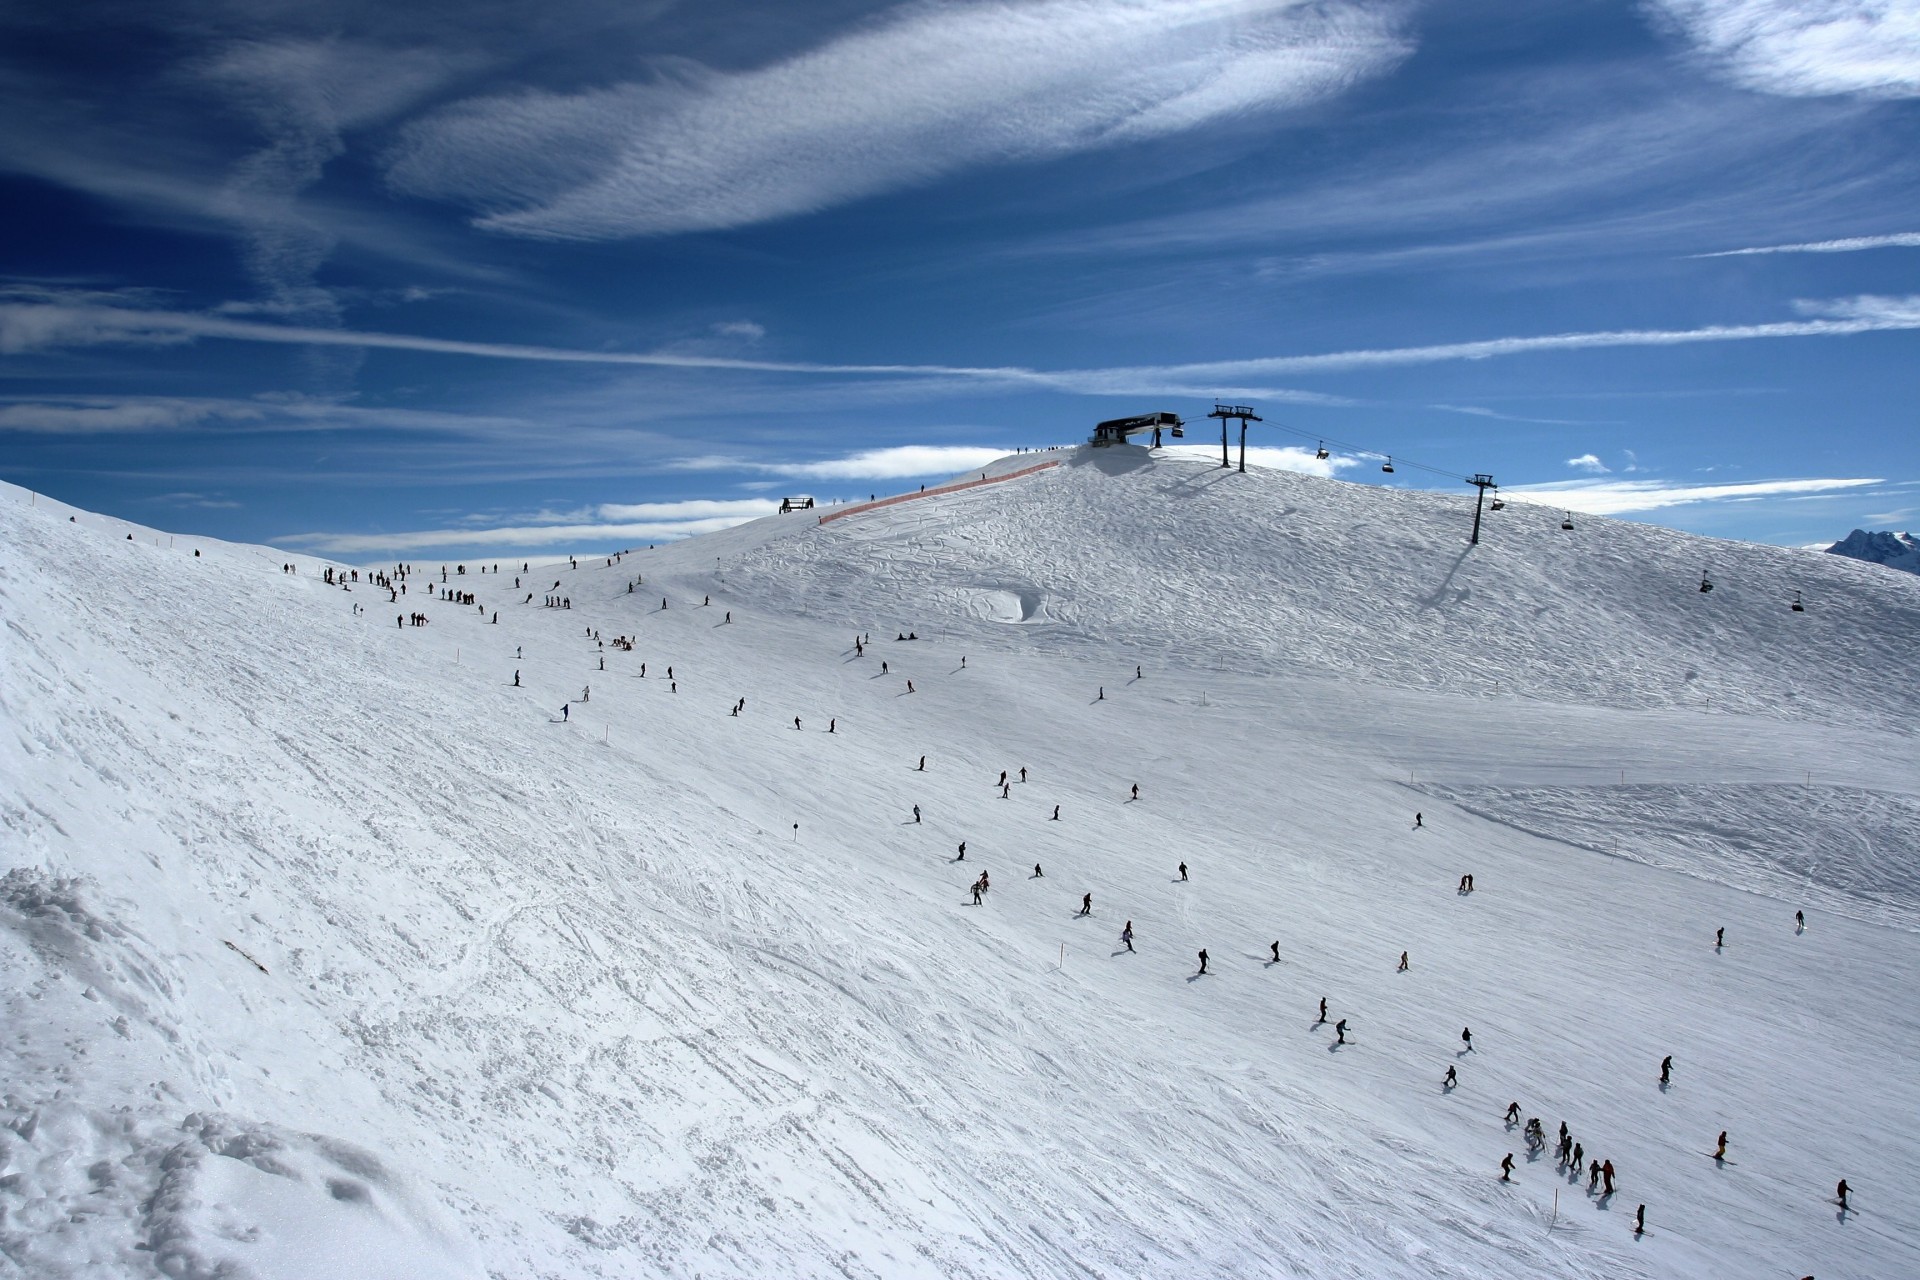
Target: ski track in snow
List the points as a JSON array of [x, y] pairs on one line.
[[539, 1004]]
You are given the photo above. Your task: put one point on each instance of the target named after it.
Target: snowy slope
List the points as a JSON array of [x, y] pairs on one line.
[[548, 997]]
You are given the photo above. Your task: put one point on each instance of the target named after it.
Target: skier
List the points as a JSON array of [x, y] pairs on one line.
[[976, 893], [1841, 1191], [1103, 694], [1056, 814], [1136, 673], [883, 668], [1086, 904], [1203, 959], [1136, 791], [963, 852], [1466, 1038], [796, 722], [909, 686], [586, 692], [1606, 1176], [1323, 1011], [1506, 1168], [916, 813], [1719, 938], [1463, 883], [1403, 963], [1003, 779], [1126, 935], [565, 711], [831, 723], [1579, 1154], [516, 679], [1037, 873], [1006, 791], [1720, 1151], [1799, 922], [1023, 773], [1417, 822], [1666, 1068], [1593, 1177], [1640, 1220], [1183, 871], [923, 765], [1340, 1031], [1276, 952], [1513, 1112], [1451, 1079]]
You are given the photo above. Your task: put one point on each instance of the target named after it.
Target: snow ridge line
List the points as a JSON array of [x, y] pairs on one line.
[[929, 493]]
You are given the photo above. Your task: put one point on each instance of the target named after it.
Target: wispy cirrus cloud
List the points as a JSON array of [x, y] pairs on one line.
[[1799, 49], [595, 534], [1626, 497], [924, 90], [896, 462], [43, 325], [106, 415], [1852, 244]]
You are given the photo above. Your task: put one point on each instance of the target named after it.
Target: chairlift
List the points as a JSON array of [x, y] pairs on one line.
[[1321, 453], [1567, 522], [1797, 606], [1498, 503], [1387, 466]]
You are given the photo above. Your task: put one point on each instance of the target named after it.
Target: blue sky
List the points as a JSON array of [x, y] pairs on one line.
[[418, 280]]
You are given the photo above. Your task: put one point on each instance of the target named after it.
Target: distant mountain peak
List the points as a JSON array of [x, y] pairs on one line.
[[1894, 550]]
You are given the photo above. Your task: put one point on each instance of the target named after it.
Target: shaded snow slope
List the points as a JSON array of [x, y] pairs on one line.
[[324, 949], [1272, 572]]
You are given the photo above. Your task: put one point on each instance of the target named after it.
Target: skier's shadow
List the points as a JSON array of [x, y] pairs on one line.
[[1195, 977], [1461, 1053], [1121, 952], [1664, 1086], [1842, 1215], [1335, 1047]]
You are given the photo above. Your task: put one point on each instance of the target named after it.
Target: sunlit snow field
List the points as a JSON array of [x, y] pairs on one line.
[[326, 951]]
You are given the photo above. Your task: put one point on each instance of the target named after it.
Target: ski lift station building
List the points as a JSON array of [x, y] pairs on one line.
[[1116, 430]]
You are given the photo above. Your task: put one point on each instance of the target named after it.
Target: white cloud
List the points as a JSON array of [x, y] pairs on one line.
[[1806, 48], [898, 462], [1279, 457], [741, 329], [1587, 462], [691, 509], [1621, 497], [1853, 244], [31, 326], [620, 534], [924, 90]]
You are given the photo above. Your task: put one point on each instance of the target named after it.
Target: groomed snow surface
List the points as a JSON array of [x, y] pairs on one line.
[[328, 952]]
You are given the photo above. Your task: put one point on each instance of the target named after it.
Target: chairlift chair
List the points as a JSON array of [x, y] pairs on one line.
[[1706, 585], [1567, 522], [1387, 466], [1321, 452], [1797, 606], [1498, 504]]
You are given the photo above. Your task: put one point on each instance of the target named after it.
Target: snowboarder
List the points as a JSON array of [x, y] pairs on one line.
[[1640, 1220], [1466, 1038], [1340, 1031], [1841, 1191], [1276, 952], [1666, 1068], [1506, 1168], [1183, 871], [1451, 1079], [1126, 935], [1086, 904], [1203, 959], [1720, 1151], [1403, 963], [909, 686]]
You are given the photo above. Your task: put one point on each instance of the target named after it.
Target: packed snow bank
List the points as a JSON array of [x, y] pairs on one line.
[[557, 966], [1272, 572]]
